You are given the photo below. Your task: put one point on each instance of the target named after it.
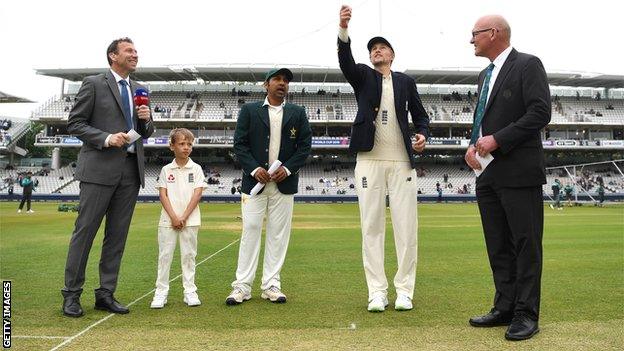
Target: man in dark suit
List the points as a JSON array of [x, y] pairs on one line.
[[110, 171], [266, 132], [381, 137], [513, 106]]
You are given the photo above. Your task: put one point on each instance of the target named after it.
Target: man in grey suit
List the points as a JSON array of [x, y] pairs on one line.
[[110, 171]]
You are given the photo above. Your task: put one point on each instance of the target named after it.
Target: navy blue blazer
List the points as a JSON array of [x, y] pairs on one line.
[[366, 83]]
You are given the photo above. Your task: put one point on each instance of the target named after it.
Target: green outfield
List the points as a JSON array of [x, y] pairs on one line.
[[582, 290]]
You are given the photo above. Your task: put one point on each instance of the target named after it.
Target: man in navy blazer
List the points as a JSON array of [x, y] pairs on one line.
[[382, 139], [514, 105]]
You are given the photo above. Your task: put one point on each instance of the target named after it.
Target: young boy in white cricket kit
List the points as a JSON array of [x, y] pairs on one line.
[[180, 186]]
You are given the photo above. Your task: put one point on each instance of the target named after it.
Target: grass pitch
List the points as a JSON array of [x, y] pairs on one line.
[[582, 287]]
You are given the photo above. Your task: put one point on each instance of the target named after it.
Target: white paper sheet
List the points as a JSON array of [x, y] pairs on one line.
[[134, 136], [274, 166], [484, 161]]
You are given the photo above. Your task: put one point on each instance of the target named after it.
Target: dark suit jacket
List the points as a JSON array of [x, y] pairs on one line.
[[366, 83], [97, 113], [517, 109], [251, 143]]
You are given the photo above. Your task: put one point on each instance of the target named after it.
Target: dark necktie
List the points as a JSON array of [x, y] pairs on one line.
[[481, 105], [125, 103]]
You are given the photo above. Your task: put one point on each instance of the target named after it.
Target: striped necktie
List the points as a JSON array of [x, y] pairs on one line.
[[481, 104]]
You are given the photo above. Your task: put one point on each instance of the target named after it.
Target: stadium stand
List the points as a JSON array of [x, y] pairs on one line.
[[583, 120], [11, 130], [218, 106], [326, 179]]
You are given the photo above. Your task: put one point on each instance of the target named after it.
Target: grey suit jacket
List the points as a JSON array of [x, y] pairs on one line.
[[98, 112]]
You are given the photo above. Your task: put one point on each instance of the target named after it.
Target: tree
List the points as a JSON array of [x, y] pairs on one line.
[[28, 141]]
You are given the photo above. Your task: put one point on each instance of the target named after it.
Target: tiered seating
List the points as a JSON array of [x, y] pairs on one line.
[[223, 105], [19, 127], [336, 179], [322, 179], [56, 108], [8, 177], [47, 184], [589, 110]]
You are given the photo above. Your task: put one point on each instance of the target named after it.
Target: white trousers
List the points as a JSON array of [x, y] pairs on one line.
[[373, 180], [167, 238], [278, 209]]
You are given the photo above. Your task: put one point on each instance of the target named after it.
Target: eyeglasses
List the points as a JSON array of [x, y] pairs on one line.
[[477, 32]]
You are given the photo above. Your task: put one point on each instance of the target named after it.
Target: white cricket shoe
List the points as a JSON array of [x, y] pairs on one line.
[[30, 211], [403, 303], [274, 294], [191, 299], [377, 304], [159, 301], [237, 296]]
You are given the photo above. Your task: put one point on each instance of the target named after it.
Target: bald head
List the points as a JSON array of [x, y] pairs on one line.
[[498, 22], [490, 36]]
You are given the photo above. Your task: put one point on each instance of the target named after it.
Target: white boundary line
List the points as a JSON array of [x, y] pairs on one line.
[[73, 337]]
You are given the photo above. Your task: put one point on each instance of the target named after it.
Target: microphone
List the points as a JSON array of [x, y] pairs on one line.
[[141, 97]]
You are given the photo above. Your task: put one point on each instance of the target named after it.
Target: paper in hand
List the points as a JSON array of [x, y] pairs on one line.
[[484, 161], [134, 136], [274, 166]]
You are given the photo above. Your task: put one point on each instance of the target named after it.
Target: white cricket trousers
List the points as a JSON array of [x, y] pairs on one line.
[[278, 209], [167, 238], [373, 180]]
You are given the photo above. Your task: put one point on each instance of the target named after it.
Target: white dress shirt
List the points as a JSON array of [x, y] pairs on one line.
[[498, 62], [276, 113]]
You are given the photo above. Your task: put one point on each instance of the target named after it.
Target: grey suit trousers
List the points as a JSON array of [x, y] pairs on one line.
[[116, 202]]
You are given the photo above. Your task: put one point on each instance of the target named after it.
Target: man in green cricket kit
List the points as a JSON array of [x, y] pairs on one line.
[[266, 132]]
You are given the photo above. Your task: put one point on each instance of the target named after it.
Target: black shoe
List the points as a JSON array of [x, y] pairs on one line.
[[494, 318], [108, 303], [71, 307], [522, 327]]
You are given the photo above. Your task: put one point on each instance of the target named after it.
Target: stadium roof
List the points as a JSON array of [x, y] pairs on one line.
[[8, 98], [310, 74]]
